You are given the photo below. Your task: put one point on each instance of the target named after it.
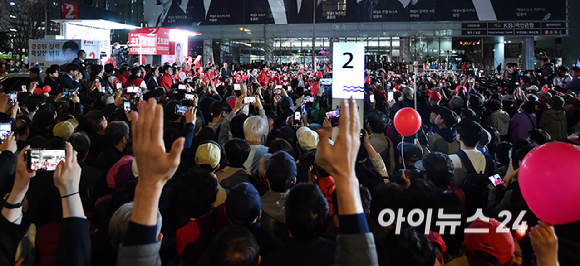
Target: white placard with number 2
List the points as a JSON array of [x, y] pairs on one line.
[[348, 76]]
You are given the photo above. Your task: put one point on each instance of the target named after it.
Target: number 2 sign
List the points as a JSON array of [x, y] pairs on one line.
[[69, 11], [348, 70]]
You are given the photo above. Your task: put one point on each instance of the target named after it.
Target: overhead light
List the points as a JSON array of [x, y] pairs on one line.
[[12, 3], [454, 51], [13, 30]]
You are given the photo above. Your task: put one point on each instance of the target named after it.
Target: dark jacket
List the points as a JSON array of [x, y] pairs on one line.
[[314, 252], [74, 244], [10, 236], [66, 82], [54, 86]]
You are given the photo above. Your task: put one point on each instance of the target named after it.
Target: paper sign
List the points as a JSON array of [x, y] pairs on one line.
[[348, 70]]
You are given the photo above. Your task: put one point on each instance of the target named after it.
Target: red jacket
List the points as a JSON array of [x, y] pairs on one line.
[[166, 81], [136, 82]]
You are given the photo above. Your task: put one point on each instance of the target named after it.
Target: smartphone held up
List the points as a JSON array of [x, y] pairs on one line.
[[44, 160]]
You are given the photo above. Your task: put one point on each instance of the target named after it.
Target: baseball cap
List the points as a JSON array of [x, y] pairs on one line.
[[232, 101], [280, 169], [63, 130], [243, 203], [307, 138], [286, 102], [450, 117], [409, 92], [411, 153], [500, 245], [208, 153], [435, 96]]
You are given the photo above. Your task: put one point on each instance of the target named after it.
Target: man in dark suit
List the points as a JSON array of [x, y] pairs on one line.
[[52, 81], [34, 75], [70, 80], [172, 14], [80, 61], [302, 11], [216, 12]]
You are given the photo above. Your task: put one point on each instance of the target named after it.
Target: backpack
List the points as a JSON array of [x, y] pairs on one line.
[[475, 186]]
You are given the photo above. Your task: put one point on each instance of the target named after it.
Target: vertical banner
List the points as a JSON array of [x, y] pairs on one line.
[[348, 70]]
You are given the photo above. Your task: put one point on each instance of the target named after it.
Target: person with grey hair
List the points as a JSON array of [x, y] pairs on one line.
[[255, 130], [117, 141], [456, 103], [120, 220]]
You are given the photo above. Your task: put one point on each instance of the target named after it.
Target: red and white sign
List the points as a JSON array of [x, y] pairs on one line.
[[69, 11], [149, 41]]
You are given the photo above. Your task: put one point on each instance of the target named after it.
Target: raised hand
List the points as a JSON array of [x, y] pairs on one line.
[[339, 160], [154, 164]]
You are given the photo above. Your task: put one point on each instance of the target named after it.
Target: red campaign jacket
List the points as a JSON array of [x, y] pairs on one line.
[[136, 82], [188, 74], [166, 81], [190, 239]]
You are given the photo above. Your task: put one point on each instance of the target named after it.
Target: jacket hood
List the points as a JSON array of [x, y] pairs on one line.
[[273, 204]]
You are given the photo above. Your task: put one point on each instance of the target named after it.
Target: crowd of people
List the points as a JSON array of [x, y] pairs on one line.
[[244, 165]]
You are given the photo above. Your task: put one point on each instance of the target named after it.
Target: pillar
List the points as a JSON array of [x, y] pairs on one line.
[[207, 52], [405, 49], [499, 53], [528, 53]]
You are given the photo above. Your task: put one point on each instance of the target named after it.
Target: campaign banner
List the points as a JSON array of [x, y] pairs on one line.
[[149, 41], [49, 52], [187, 13]]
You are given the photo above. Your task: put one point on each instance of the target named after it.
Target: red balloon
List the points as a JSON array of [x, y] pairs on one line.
[[549, 180], [407, 121]]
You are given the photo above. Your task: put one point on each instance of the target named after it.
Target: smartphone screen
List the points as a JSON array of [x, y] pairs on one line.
[[5, 129], [132, 89], [13, 97], [237, 87], [496, 180], [188, 97], [44, 160], [372, 97], [289, 88], [250, 100], [119, 85], [181, 86], [297, 116], [180, 110], [308, 99], [390, 96], [332, 114], [127, 107]]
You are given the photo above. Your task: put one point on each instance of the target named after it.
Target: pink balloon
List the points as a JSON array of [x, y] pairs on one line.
[[407, 121], [549, 178]]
